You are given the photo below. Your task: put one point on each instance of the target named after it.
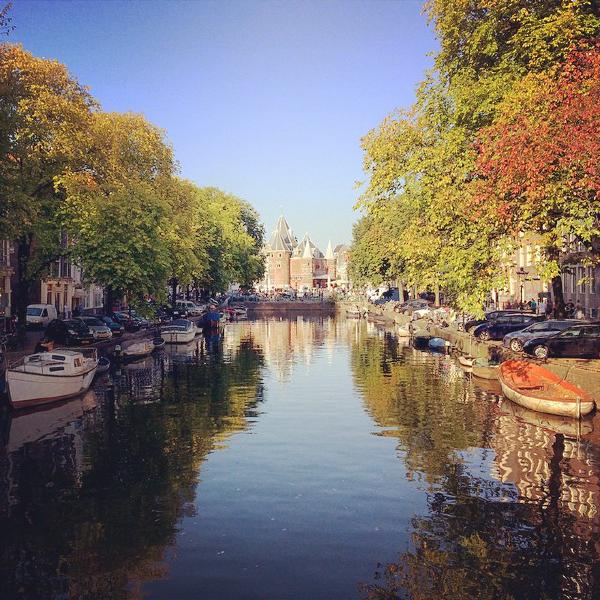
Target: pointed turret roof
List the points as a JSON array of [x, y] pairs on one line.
[[282, 238], [301, 249], [329, 252]]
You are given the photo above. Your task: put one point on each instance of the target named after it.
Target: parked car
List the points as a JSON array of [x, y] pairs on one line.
[[392, 295], [408, 308], [130, 320], [187, 308], [72, 332], [544, 329], [99, 329], [503, 324], [578, 341], [40, 315], [116, 328], [490, 317]]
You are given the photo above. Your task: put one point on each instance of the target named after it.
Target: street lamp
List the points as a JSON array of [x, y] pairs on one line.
[[521, 272]]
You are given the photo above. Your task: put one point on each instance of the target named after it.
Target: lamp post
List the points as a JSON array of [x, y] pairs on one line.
[[521, 272]]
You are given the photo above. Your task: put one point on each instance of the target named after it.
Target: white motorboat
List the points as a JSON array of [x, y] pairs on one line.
[[137, 349], [180, 331], [50, 376]]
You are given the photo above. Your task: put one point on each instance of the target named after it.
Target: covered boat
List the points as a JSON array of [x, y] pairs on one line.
[[536, 388], [180, 331], [438, 344], [46, 377], [137, 349], [484, 369]]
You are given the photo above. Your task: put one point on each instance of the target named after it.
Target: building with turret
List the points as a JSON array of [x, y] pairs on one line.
[[301, 265]]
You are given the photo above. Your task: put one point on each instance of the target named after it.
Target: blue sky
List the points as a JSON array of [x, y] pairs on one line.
[[266, 100]]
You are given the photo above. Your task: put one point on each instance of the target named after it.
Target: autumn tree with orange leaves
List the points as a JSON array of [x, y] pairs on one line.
[[539, 161]]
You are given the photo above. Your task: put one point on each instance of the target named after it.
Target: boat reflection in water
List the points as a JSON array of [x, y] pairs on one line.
[[127, 493]]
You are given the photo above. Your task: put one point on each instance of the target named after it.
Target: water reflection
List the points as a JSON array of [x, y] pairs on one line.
[[91, 490], [355, 449], [512, 494]]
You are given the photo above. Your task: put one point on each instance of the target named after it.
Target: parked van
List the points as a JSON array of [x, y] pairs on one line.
[[39, 315], [189, 307]]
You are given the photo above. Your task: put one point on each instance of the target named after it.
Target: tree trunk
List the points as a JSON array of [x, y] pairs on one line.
[[108, 300], [437, 294], [559, 299], [174, 283], [23, 283]]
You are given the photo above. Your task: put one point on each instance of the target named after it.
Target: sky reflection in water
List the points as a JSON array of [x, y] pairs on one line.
[[303, 458]]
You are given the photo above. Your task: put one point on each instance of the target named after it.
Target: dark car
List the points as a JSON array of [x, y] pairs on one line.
[[116, 328], [578, 341], [70, 333], [392, 295], [489, 317], [503, 324], [129, 322], [541, 330]]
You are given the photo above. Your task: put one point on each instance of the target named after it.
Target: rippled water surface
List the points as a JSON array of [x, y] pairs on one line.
[[305, 458]]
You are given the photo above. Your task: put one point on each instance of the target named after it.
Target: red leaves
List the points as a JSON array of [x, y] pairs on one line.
[[544, 144]]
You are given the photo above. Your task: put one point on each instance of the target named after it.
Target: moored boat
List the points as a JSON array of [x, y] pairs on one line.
[[137, 349], [46, 377], [484, 369], [466, 361], [103, 365], [180, 331], [536, 388], [438, 344]]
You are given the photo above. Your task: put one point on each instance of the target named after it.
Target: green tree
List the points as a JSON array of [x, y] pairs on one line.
[[44, 120]]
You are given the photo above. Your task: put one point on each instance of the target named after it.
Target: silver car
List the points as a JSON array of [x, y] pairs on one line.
[[543, 329], [99, 329]]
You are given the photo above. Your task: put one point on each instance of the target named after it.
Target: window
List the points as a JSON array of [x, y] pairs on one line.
[[57, 368], [591, 331], [569, 333]]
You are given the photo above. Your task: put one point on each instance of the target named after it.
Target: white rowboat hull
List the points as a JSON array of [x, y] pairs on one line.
[[552, 407]]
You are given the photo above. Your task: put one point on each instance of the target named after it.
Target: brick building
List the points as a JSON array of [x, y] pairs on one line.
[[300, 265]]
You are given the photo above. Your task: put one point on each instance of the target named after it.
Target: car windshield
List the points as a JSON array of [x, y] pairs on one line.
[[94, 322], [108, 320], [76, 326], [33, 311], [537, 327]]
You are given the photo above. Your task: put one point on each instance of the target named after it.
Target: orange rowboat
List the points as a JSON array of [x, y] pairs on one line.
[[539, 389]]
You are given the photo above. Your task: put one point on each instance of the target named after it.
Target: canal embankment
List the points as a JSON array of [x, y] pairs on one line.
[[584, 373]]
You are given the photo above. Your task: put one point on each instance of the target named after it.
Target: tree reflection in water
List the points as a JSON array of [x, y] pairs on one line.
[[89, 509], [521, 520]]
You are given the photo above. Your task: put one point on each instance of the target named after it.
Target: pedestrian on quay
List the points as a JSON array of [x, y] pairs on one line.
[[569, 309], [533, 305], [541, 310], [579, 311]]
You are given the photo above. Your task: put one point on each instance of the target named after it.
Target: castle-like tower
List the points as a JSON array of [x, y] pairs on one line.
[[301, 266]]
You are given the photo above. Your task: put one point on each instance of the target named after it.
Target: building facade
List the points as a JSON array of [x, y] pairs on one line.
[[6, 272], [301, 266]]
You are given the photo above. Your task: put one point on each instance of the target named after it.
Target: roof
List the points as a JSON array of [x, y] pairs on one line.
[[307, 249], [282, 239]]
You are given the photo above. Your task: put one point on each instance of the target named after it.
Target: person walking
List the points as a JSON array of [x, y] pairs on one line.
[[533, 305], [579, 311]]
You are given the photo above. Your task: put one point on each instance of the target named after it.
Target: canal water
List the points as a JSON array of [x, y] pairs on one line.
[[302, 458]]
